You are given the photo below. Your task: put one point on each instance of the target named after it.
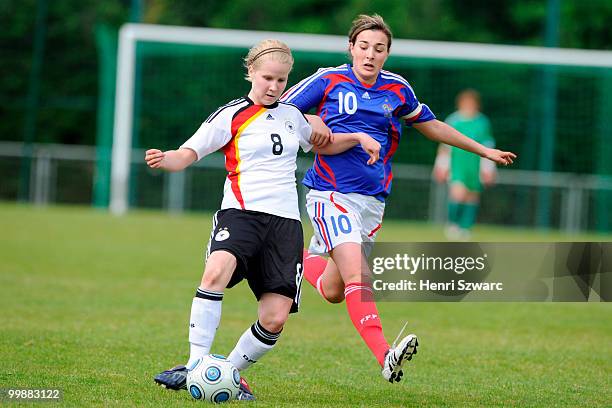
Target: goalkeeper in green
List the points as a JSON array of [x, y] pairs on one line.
[[465, 172]]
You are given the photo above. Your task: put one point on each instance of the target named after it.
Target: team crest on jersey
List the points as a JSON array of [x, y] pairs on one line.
[[290, 126], [222, 235], [388, 109]]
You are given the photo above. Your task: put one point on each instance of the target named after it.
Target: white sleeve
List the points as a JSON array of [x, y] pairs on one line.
[[304, 132], [210, 137]]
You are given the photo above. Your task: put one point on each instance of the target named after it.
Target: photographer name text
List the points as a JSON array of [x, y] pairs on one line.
[[427, 285]]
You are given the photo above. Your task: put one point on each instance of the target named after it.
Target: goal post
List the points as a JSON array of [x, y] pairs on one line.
[[439, 69]]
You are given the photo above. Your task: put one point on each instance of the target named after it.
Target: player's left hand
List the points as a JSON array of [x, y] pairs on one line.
[[154, 158], [499, 156]]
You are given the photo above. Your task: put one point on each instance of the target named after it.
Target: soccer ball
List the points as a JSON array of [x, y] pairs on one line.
[[213, 379]]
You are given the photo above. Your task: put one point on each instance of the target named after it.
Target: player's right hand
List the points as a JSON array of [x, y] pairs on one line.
[[370, 146], [154, 158], [321, 135]]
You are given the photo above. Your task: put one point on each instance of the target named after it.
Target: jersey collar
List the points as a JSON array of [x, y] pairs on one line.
[[353, 76], [271, 106]]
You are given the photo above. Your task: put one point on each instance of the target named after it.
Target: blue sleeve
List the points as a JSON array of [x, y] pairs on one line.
[[307, 93], [412, 111], [425, 116]]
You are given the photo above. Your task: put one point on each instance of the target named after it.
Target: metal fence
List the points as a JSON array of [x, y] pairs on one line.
[[66, 174]]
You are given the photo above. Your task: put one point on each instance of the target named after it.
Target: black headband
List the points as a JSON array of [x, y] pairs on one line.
[[269, 50]]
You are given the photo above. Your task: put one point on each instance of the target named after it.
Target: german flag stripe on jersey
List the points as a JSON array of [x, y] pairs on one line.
[[243, 118]]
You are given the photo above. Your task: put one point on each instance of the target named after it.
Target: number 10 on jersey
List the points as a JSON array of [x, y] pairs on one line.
[[347, 103]]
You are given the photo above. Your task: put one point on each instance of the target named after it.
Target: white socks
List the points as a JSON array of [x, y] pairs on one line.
[[253, 344], [204, 321]]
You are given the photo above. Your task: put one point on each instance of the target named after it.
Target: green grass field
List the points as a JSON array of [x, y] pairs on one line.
[[96, 305]]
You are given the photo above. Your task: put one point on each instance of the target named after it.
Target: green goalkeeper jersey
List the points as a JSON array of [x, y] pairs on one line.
[[465, 166]]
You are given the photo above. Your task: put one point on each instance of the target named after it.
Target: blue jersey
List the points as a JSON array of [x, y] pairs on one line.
[[347, 106]]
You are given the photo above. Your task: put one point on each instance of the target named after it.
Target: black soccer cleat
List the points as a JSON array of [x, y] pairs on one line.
[[173, 379], [245, 393]]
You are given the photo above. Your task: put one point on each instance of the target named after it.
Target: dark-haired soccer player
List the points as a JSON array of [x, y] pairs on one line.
[[347, 198]]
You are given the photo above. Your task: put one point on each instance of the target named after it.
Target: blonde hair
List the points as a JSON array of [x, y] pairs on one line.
[[270, 49], [374, 22]]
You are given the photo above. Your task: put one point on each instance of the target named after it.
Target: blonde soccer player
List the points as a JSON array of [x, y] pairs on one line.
[[257, 234]]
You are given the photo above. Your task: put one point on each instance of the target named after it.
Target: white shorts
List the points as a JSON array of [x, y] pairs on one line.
[[337, 218]]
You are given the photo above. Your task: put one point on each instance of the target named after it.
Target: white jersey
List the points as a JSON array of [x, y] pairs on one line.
[[260, 145]]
